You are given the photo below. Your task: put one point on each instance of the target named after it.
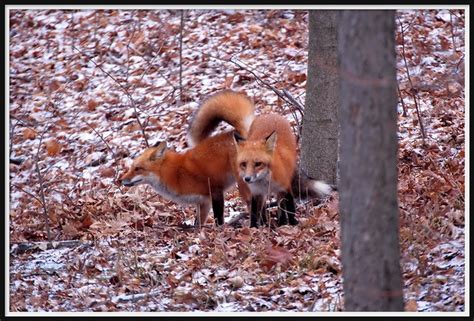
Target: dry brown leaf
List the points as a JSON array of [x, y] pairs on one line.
[[92, 105], [228, 82], [237, 282], [70, 230], [29, 133], [53, 147], [107, 171], [87, 221], [411, 306], [274, 255]]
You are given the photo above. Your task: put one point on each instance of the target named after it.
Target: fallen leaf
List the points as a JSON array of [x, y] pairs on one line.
[[29, 133], [53, 147]]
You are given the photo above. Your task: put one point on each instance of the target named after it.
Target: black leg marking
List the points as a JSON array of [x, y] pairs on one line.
[[218, 208], [256, 210]]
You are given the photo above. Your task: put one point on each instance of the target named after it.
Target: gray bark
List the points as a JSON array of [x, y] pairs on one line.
[[368, 167], [319, 142]]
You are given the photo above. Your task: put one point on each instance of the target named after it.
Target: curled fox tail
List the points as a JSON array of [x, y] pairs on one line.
[[305, 187], [234, 108]]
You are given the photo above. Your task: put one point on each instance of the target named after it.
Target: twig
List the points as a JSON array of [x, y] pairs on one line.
[[181, 58], [403, 52], [452, 31], [128, 46], [41, 185], [401, 100], [111, 150], [300, 108], [124, 89], [419, 118], [26, 192], [459, 62], [413, 91], [280, 93], [457, 16]]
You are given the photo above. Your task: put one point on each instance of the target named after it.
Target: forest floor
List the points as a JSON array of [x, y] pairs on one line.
[[80, 78]]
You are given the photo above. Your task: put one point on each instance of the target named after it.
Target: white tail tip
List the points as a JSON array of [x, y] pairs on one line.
[[321, 187]]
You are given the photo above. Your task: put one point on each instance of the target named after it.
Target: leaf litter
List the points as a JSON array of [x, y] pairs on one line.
[[81, 79]]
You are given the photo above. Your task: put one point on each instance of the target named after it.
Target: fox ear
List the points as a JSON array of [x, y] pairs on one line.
[[160, 149], [237, 138], [270, 142]]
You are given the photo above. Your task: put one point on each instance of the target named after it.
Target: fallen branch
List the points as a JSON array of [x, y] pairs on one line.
[[20, 248]]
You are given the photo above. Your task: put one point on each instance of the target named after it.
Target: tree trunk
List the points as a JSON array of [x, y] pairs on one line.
[[368, 165], [319, 142]]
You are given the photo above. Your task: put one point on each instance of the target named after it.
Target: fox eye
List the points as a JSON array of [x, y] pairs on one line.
[[138, 169], [243, 165], [258, 164]]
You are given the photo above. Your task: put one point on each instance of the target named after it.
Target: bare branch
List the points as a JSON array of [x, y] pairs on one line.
[[452, 31], [413, 91], [401, 100], [124, 89], [111, 150], [181, 57], [41, 185]]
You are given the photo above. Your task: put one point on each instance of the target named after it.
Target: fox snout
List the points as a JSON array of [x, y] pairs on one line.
[[251, 178], [247, 179], [126, 181]]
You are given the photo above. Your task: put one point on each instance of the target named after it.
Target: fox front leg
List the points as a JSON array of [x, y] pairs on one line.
[[256, 209]]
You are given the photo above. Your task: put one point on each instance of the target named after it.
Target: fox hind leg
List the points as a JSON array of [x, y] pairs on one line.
[[218, 207], [202, 214], [287, 210]]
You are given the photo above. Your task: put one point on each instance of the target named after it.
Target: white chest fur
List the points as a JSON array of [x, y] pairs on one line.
[[168, 193]]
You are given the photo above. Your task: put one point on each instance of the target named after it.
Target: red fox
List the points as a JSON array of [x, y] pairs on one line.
[[201, 174], [266, 161]]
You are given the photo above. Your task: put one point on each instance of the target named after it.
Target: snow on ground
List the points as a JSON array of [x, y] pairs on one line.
[[81, 79]]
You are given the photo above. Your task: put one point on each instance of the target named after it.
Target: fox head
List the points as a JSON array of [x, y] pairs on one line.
[[254, 157], [144, 166]]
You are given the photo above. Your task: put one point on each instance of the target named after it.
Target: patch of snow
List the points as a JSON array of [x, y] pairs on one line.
[[228, 307]]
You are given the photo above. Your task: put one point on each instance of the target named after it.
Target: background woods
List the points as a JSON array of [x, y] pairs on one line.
[[89, 89]]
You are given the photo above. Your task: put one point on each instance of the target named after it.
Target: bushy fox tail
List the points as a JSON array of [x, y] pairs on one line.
[[305, 187], [231, 107]]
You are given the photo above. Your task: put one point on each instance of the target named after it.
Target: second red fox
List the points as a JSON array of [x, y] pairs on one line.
[[267, 164]]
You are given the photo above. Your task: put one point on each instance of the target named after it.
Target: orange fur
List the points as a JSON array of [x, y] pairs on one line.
[[234, 108]]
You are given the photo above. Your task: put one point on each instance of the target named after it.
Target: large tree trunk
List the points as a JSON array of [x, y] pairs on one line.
[[368, 162], [319, 142]]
